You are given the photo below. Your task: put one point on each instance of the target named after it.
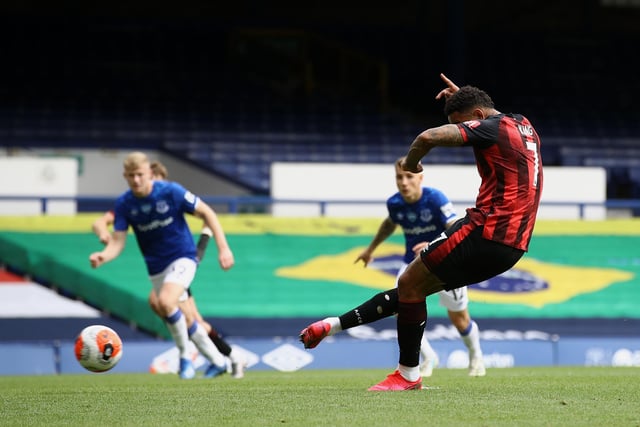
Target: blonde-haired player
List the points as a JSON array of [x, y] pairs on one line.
[[102, 228], [155, 210]]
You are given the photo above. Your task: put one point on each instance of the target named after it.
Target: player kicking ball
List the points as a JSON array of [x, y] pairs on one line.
[[487, 241]]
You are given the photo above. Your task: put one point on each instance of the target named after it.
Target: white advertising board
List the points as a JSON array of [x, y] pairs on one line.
[[39, 177], [367, 187]]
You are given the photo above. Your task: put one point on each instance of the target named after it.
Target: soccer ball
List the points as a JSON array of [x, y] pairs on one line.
[[98, 348]]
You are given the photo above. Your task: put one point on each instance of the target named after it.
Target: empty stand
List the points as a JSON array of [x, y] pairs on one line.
[[195, 91]]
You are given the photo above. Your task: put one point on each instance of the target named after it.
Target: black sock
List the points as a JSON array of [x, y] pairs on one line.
[[383, 304], [202, 246], [220, 344], [412, 318]]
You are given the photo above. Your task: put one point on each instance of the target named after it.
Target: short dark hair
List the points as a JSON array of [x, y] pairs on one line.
[[466, 98]]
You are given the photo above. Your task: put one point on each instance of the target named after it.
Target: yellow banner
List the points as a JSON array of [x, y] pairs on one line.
[[258, 224]]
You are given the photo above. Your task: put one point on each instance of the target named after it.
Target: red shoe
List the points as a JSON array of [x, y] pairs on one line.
[[314, 333], [396, 382]]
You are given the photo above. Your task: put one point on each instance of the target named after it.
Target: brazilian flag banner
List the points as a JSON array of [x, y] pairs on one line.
[[304, 267]]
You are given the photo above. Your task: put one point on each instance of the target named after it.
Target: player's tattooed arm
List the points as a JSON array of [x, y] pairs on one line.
[[445, 135], [442, 135]]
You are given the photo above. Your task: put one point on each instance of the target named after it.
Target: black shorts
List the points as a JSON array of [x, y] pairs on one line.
[[461, 256]]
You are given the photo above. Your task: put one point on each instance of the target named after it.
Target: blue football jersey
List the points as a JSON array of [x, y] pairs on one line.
[[423, 220], [159, 224]]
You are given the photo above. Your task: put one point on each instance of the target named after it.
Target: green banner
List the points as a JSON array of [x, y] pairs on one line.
[[279, 274]]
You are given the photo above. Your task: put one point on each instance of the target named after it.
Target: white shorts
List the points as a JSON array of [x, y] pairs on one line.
[[181, 271], [454, 300]]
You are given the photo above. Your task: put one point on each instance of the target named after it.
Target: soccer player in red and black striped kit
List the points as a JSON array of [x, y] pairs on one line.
[[488, 241]]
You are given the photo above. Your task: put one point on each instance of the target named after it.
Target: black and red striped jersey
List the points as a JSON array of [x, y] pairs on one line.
[[507, 152]]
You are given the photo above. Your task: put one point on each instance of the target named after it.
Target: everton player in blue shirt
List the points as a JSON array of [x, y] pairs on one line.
[[423, 213], [155, 211]]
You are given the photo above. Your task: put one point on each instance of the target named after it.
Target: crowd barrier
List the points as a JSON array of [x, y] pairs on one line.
[[41, 205]]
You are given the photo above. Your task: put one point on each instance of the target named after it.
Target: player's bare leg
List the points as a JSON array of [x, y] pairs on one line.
[[470, 334], [168, 308]]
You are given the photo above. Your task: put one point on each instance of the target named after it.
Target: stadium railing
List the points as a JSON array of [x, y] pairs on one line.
[[263, 204]]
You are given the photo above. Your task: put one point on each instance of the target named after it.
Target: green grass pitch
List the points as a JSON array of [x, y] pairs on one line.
[[558, 396]]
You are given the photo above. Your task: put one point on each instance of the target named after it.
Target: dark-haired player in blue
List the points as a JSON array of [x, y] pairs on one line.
[[423, 213], [155, 210]]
